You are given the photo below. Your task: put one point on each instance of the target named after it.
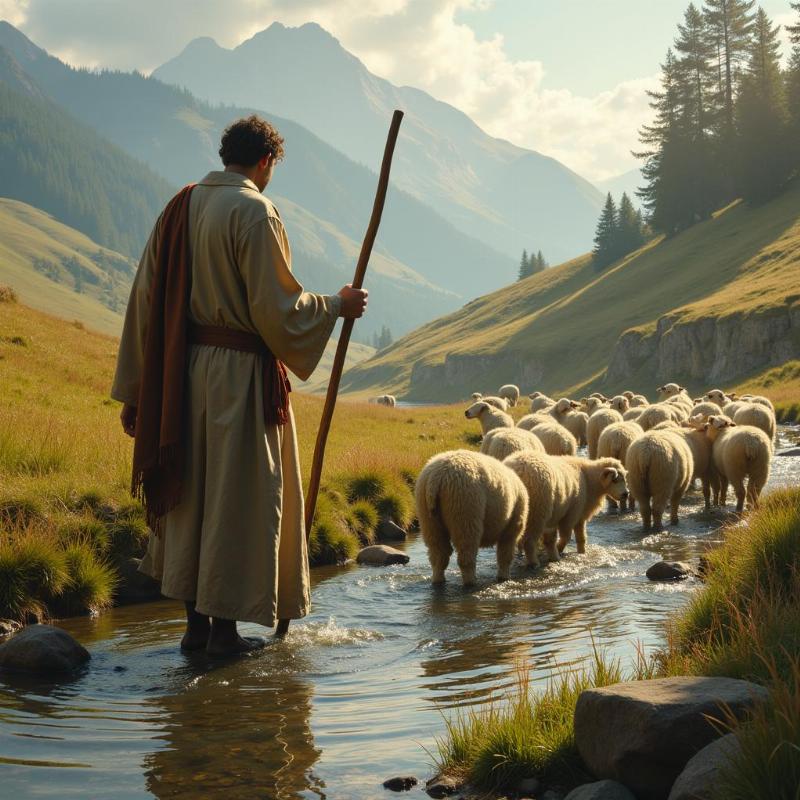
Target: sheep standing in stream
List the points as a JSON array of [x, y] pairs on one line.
[[660, 469], [601, 419], [555, 438], [564, 413], [489, 416], [740, 452], [614, 442], [510, 393], [565, 493], [466, 501], [757, 415], [502, 442]]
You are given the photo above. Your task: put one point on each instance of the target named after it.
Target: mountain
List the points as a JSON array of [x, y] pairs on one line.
[[509, 197], [56, 269], [425, 266], [627, 182], [717, 304]]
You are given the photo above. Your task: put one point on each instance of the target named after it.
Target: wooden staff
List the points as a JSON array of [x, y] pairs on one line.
[[344, 338]]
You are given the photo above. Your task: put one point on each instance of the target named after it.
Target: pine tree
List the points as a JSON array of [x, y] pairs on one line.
[[629, 235], [605, 235], [525, 266], [764, 162], [793, 89], [541, 263]]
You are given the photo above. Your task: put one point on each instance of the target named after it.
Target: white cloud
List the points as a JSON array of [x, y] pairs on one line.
[[414, 42]]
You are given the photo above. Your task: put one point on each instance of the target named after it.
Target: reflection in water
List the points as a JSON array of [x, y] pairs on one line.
[[357, 691]]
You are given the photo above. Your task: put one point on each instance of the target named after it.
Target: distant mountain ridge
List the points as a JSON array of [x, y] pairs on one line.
[[508, 197]]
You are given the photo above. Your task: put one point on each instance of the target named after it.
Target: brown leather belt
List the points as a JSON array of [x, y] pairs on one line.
[[276, 380]]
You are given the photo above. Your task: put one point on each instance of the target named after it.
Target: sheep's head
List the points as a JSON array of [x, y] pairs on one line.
[[593, 403], [476, 395], [639, 400], [669, 390], [716, 424], [696, 422], [564, 406], [620, 403], [612, 479], [629, 394], [534, 395], [599, 396], [476, 409], [716, 396]]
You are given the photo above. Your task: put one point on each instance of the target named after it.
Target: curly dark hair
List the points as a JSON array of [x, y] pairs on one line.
[[246, 141]]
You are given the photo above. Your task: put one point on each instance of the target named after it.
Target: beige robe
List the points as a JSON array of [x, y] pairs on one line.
[[236, 543]]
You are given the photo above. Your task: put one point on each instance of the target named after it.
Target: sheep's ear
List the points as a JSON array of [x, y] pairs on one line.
[[732, 425], [609, 476]]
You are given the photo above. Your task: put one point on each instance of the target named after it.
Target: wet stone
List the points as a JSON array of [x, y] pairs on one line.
[[442, 786], [400, 784], [42, 650], [670, 571], [381, 555], [389, 531]]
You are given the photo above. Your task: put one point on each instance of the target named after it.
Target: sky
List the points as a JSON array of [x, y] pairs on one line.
[[565, 77]]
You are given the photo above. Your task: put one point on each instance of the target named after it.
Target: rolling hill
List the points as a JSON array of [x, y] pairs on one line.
[[177, 136], [714, 305], [508, 197]]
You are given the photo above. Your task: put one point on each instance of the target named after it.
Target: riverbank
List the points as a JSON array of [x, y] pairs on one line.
[[742, 624]]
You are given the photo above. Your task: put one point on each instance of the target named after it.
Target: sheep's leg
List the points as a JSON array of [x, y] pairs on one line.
[[674, 504], [658, 506], [530, 544], [631, 502], [550, 545], [647, 514], [505, 555], [437, 540], [439, 557], [707, 493], [723, 491], [613, 505], [739, 491], [580, 537], [467, 558], [564, 535]]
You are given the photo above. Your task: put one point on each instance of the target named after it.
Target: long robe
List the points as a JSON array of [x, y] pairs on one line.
[[235, 544]]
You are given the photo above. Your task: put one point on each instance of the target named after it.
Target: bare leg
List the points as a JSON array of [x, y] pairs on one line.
[[224, 639], [198, 626]]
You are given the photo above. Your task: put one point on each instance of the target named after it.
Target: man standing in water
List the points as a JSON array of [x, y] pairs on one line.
[[214, 314]]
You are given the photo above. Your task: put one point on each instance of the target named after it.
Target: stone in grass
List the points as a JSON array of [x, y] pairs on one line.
[[643, 733], [41, 650], [699, 779], [400, 784], [381, 555], [135, 586], [670, 571], [601, 790], [443, 786], [389, 531]]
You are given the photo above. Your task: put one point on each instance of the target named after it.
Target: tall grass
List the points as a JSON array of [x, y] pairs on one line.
[[529, 733]]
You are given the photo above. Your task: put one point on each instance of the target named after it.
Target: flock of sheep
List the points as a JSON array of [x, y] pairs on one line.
[[528, 488]]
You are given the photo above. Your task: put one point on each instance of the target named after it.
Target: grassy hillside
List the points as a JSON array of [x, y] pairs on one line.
[[557, 330], [57, 269]]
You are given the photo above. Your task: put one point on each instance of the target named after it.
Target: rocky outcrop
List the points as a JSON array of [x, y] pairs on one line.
[[643, 733], [712, 350], [42, 650], [699, 779]]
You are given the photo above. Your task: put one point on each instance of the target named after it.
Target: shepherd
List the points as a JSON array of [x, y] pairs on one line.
[[214, 318]]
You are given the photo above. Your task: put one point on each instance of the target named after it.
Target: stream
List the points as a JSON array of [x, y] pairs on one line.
[[359, 690]]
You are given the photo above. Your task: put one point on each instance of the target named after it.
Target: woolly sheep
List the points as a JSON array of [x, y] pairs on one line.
[[739, 452], [660, 412], [384, 400], [563, 412], [620, 403], [730, 409], [660, 469], [509, 392], [704, 409], [718, 396], [693, 433], [760, 399], [530, 421], [488, 416], [540, 403], [614, 442], [597, 422], [564, 493], [669, 390], [593, 404], [476, 396], [629, 394], [557, 440], [497, 402], [639, 401], [633, 414], [599, 396], [467, 500], [757, 415], [502, 442]]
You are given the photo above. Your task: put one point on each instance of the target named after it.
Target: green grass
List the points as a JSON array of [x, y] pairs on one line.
[[529, 734], [782, 385], [556, 330]]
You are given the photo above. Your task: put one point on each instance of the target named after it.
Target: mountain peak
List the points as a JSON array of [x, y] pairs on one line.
[[308, 32], [18, 44]]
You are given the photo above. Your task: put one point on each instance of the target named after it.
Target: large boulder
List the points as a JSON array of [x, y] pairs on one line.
[[41, 650], [643, 733], [602, 790], [699, 779], [381, 555], [135, 586], [389, 531]]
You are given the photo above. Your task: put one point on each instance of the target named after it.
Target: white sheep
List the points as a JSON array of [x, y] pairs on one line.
[[670, 390], [502, 442], [730, 409], [633, 414], [757, 415], [564, 493], [660, 469], [739, 453], [476, 396], [661, 412], [592, 404], [467, 500], [620, 403], [704, 409], [614, 442], [489, 416], [530, 421], [557, 440], [639, 401], [509, 392], [497, 402], [541, 402], [597, 422], [384, 400], [564, 413], [719, 397], [760, 399]]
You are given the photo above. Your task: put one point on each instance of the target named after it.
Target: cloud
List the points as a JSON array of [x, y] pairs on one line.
[[412, 42]]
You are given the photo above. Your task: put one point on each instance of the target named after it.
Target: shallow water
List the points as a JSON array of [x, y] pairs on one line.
[[357, 692]]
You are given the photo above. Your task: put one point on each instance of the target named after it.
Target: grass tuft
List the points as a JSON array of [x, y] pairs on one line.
[[7, 295], [91, 582], [363, 520]]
